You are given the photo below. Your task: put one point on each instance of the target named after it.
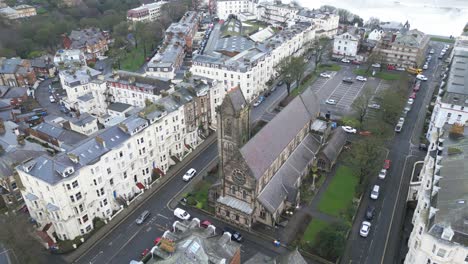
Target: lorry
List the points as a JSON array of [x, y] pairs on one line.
[[415, 71]]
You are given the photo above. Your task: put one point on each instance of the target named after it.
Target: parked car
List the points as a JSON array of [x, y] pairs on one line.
[[349, 129], [416, 88], [375, 192], [157, 240], [205, 223], [413, 95], [382, 174], [374, 106], [361, 78], [145, 252], [355, 62], [181, 214], [325, 75], [421, 77], [370, 212], [281, 82], [348, 80], [235, 235], [387, 164], [330, 101], [425, 67], [376, 65], [142, 217], [410, 101], [365, 228], [259, 101], [423, 147], [431, 51], [365, 133], [400, 69], [51, 99], [391, 67], [345, 61], [189, 174]]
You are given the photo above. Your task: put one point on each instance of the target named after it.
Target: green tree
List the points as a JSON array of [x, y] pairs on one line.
[[366, 157], [361, 104], [331, 241], [391, 103]]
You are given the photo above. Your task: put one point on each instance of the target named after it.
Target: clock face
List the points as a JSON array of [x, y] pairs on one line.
[[238, 177]]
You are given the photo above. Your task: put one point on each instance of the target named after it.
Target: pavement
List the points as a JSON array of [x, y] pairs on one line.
[[384, 240]]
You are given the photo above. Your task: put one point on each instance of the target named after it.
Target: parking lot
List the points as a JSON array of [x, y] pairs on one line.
[[344, 94]]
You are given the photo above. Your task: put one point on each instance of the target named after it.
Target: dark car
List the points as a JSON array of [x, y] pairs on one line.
[[423, 147], [355, 62], [348, 80], [236, 236], [280, 83], [370, 212]]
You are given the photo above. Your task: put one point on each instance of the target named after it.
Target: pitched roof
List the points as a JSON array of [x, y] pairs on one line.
[[262, 150], [237, 98], [334, 144], [282, 185]]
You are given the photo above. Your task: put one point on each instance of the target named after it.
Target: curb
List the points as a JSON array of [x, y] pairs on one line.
[[197, 152]]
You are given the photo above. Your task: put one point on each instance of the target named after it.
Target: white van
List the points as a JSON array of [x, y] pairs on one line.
[[375, 192], [181, 214]]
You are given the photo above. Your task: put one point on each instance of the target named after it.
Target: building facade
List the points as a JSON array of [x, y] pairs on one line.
[[16, 72], [277, 13], [224, 8], [346, 45], [146, 12], [326, 23], [406, 48]]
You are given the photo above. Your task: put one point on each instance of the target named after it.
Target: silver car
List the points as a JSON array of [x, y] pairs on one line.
[[142, 217]]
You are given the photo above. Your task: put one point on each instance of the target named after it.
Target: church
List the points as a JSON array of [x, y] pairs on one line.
[[260, 177]]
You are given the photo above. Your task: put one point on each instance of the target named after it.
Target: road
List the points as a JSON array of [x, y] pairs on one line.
[[383, 241]]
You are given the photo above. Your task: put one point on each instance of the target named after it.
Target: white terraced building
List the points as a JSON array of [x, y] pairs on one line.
[[224, 8], [252, 64], [146, 12], [93, 179]]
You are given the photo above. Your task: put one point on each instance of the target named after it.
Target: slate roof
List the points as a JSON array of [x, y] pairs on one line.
[[233, 44], [89, 36], [236, 204], [283, 185], [64, 136], [335, 143], [293, 257], [88, 152], [146, 83], [82, 120], [14, 92], [11, 159], [9, 66], [262, 150], [86, 97], [237, 98], [119, 107]]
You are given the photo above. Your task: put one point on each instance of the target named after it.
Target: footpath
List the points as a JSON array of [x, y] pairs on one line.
[[127, 211]]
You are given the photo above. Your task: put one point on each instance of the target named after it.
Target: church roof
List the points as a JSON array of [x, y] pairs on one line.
[[335, 144], [267, 145]]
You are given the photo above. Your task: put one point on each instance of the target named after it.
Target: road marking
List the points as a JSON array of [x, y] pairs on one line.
[[393, 212], [163, 216], [123, 246], [148, 229]]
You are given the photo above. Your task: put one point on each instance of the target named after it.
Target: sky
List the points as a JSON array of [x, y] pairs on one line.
[[437, 17]]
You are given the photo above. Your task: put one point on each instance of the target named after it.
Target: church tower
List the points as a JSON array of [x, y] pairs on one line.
[[233, 119]]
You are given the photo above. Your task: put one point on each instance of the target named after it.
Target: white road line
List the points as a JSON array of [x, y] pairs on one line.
[[163, 216], [123, 246]]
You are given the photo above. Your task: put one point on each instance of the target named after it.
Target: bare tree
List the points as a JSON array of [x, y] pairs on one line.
[[17, 236], [317, 48], [361, 104], [372, 22], [291, 69]]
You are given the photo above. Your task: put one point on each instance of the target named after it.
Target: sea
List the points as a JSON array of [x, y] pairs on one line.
[[435, 17]]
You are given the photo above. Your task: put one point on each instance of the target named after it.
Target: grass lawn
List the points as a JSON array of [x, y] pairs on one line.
[[312, 230], [133, 60], [446, 40], [296, 91], [339, 194], [329, 67], [381, 75]]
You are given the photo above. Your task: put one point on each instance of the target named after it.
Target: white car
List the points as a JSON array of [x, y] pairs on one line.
[[325, 75], [425, 67], [374, 106], [349, 129], [361, 78], [345, 60], [189, 174], [365, 228], [330, 102], [382, 174], [421, 77], [432, 51], [410, 101], [376, 65], [400, 69], [375, 192], [51, 99], [181, 214]]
